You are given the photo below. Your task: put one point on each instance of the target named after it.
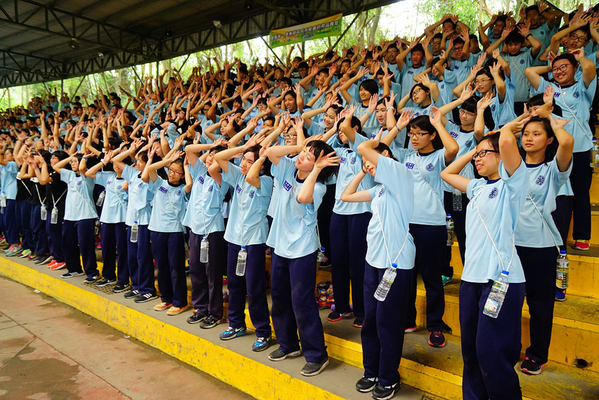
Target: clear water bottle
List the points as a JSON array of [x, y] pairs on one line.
[[134, 232], [450, 231], [54, 216], [497, 295], [97, 228], [457, 200], [43, 212], [595, 154], [204, 247], [242, 258], [562, 270], [101, 198], [388, 277], [320, 255], [2, 201]]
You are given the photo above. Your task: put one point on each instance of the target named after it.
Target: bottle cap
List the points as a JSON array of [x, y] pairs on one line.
[[135, 222], [449, 215], [504, 272], [394, 265], [322, 249], [243, 247]]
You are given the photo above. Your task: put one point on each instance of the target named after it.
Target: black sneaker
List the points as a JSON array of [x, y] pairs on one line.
[[131, 294], [210, 322], [436, 339], [39, 259], [337, 316], [196, 317], [358, 322], [47, 258], [279, 355], [91, 279], [384, 392], [120, 288], [104, 282], [531, 367], [314, 368], [365, 385], [142, 298]]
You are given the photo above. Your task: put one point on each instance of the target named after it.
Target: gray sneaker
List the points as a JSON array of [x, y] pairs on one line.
[[314, 368]]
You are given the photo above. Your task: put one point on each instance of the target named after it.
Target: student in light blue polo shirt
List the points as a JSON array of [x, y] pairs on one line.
[[166, 229], [113, 229], [295, 244], [8, 195], [79, 219], [491, 346], [548, 157], [390, 244], [247, 230]]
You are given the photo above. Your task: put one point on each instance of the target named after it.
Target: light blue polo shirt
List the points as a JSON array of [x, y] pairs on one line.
[[8, 179], [170, 203], [114, 209], [80, 202], [139, 207]]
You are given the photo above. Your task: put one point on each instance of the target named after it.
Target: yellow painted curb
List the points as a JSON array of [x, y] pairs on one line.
[[245, 374]]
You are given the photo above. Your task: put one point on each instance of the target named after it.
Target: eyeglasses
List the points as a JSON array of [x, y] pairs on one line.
[[578, 38], [416, 91], [465, 113], [289, 136], [483, 153], [561, 68], [418, 134], [481, 81], [174, 172]]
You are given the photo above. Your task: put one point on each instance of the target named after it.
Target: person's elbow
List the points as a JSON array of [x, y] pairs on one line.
[[345, 197], [304, 198]]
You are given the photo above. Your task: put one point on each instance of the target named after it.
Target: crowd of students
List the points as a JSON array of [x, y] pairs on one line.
[[352, 159]]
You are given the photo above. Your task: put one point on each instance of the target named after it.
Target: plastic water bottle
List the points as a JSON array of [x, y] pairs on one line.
[[562, 270], [457, 200], [43, 212], [204, 247], [497, 295], [595, 154], [101, 197], [320, 255], [388, 277], [54, 216], [449, 225], [242, 258], [134, 232], [97, 228], [2, 202]]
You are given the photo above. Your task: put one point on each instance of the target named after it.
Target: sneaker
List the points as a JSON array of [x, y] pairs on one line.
[[280, 355], [446, 279], [560, 294], [232, 333], [365, 385], [436, 339], [46, 258], [14, 250], [118, 288], [32, 256], [384, 392], [58, 265], [325, 263], [358, 322], [91, 279], [268, 251], [581, 245], [196, 317], [41, 259], [162, 306], [531, 367], [176, 310], [411, 329], [142, 298], [133, 293], [210, 322], [52, 263], [71, 275], [261, 344], [25, 253], [105, 282], [336, 316], [314, 368]]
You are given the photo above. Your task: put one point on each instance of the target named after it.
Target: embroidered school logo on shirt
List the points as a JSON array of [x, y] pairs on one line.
[[381, 192], [454, 134], [576, 95], [210, 188], [237, 188], [252, 193], [201, 180], [163, 189], [521, 61], [430, 167], [342, 160], [493, 107], [468, 142], [493, 193], [409, 165], [178, 193], [141, 184], [108, 183], [556, 94], [540, 180], [410, 72], [287, 186], [353, 160]]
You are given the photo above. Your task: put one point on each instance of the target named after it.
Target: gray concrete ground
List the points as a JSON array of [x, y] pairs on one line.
[[49, 350]]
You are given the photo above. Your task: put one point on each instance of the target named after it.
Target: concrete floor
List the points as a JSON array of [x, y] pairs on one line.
[[49, 350]]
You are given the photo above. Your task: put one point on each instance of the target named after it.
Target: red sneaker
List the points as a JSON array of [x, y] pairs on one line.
[[58, 266], [581, 245]]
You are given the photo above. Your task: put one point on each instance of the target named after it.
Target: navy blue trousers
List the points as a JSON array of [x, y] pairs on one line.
[[459, 226], [38, 230], [562, 216], [24, 209], [169, 252], [490, 346], [294, 306], [430, 242], [325, 212], [54, 234], [11, 222], [253, 283], [114, 242], [78, 238], [581, 178], [384, 324], [140, 261], [348, 251], [539, 270], [207, 279]]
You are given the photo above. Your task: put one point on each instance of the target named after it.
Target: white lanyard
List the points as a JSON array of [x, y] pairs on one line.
[[425, 181], [544, 221], [378, 215], [294, 200], [574, 115], [243, 221]]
